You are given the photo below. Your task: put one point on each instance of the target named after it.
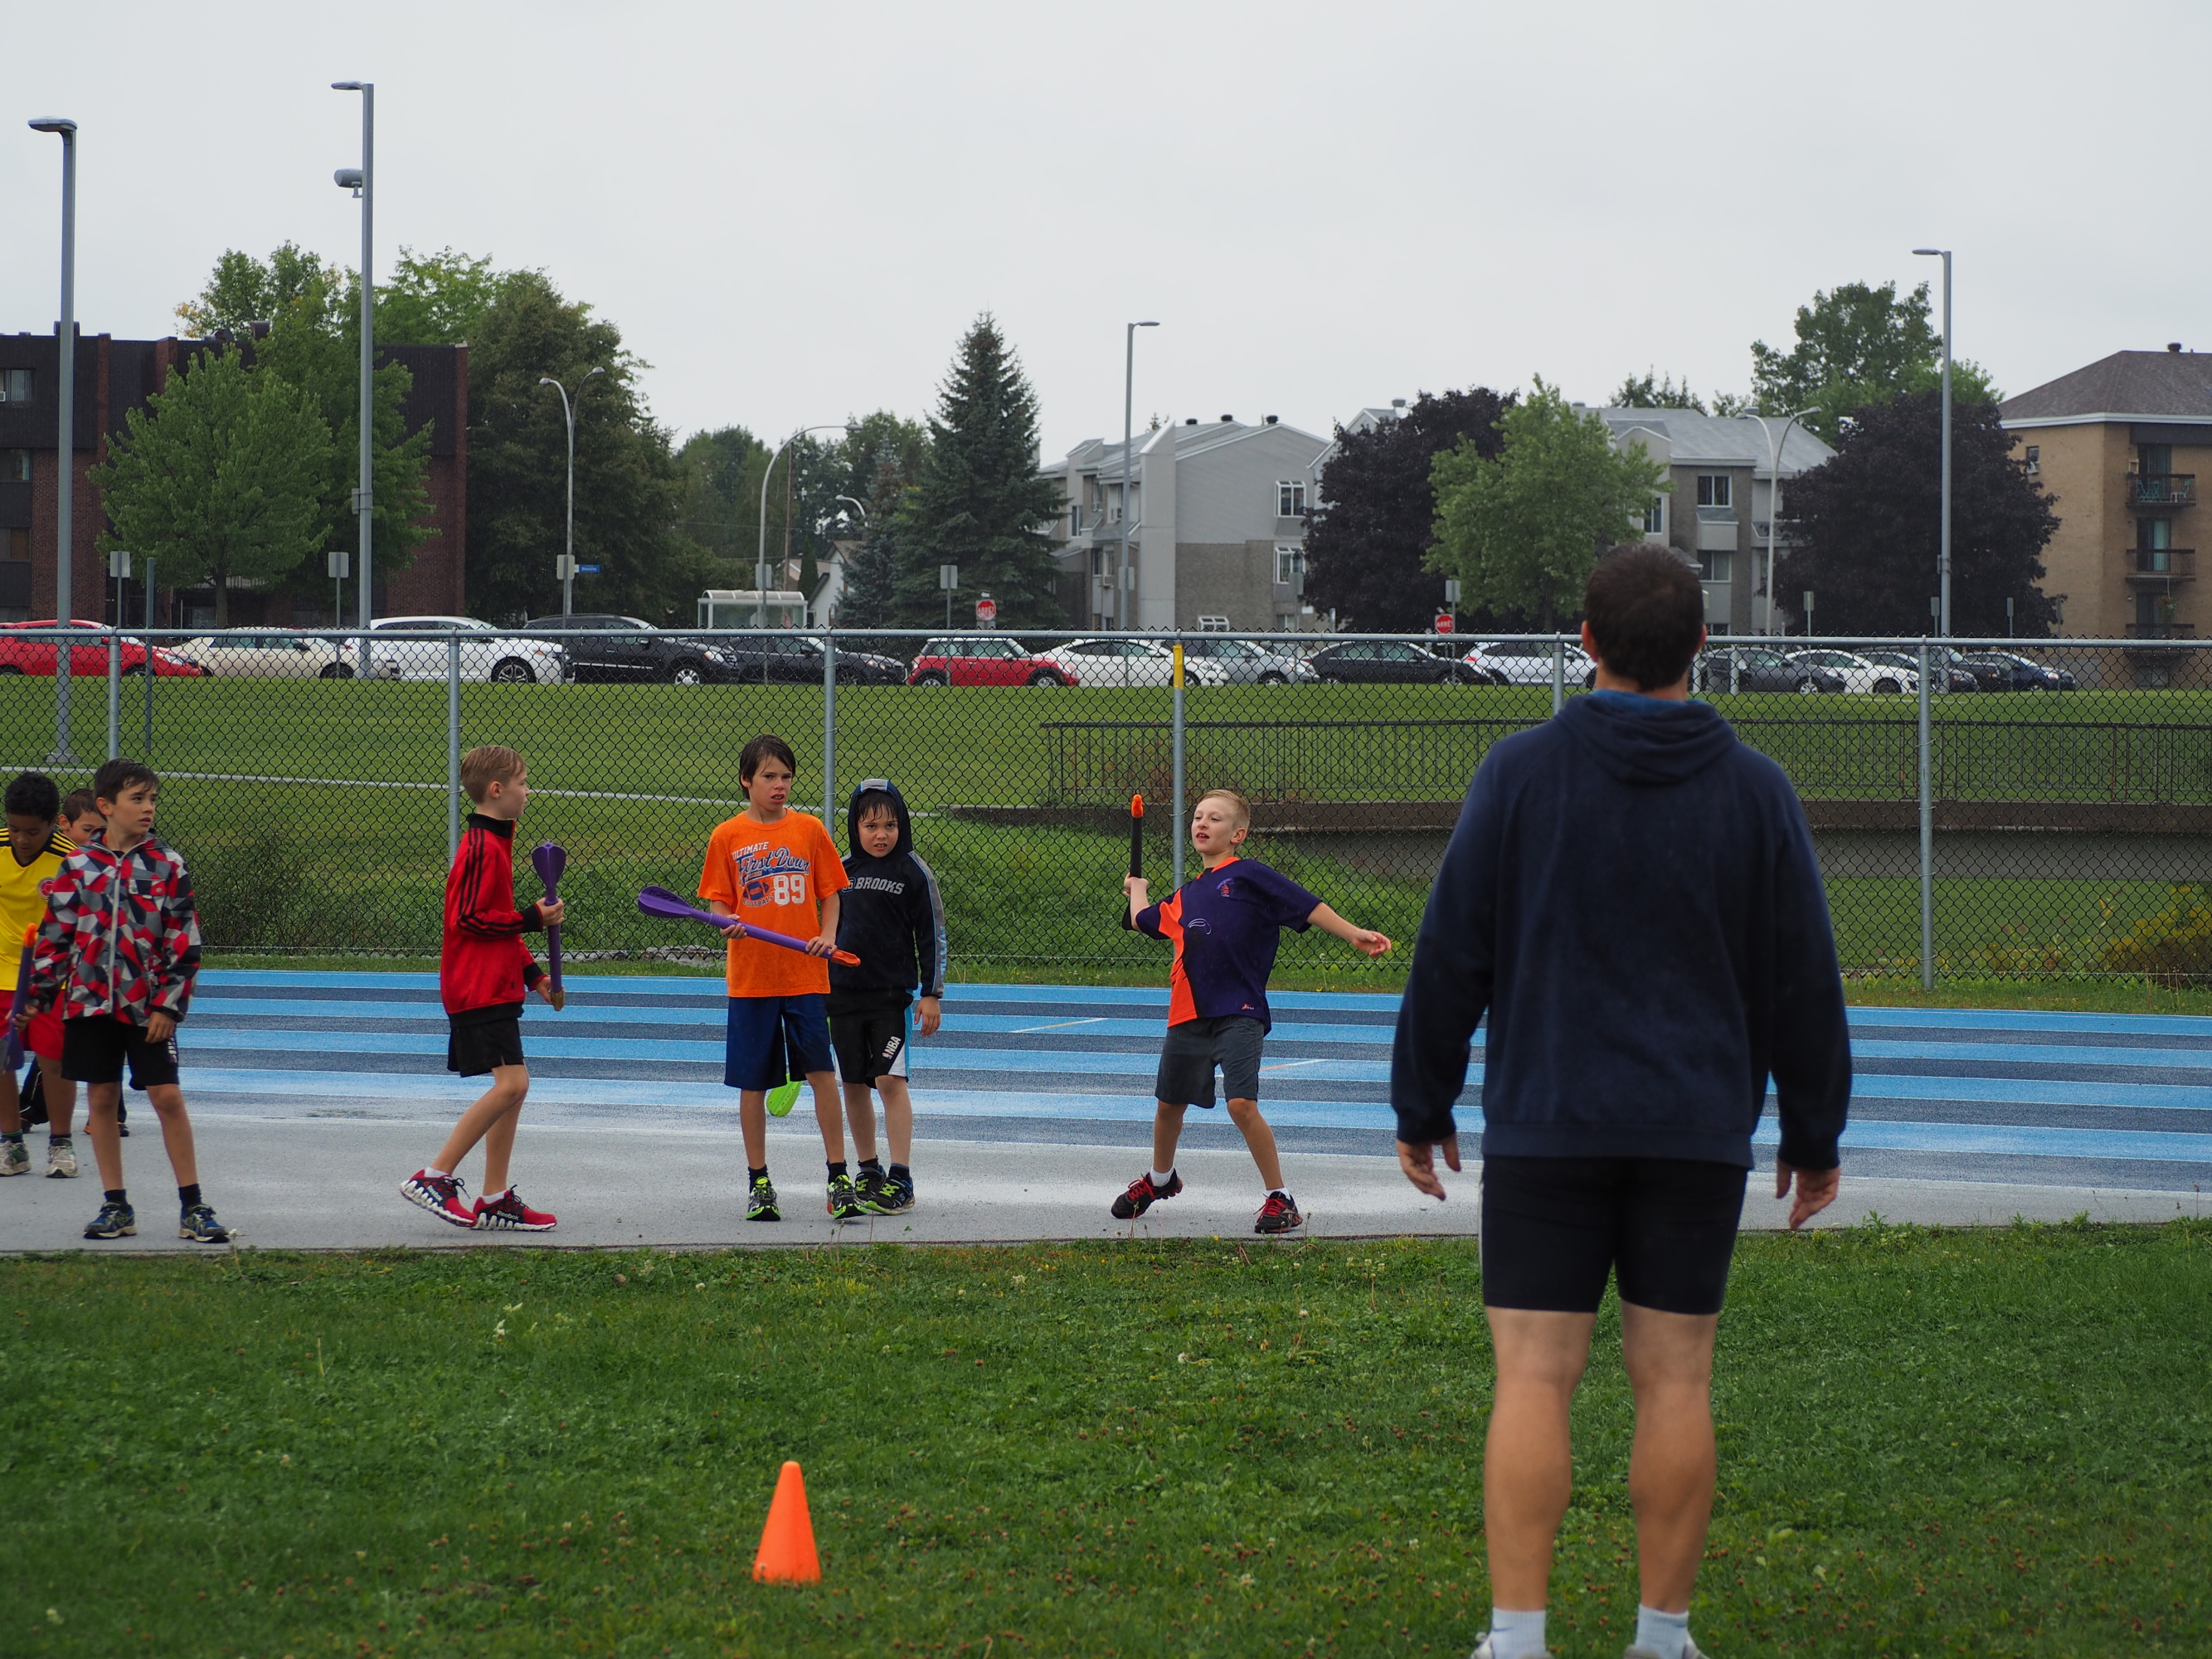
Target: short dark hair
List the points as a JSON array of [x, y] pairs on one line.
[[119, 774], [872, 801], [1646, 613], [766, 746], [34, 795], [80, 802]]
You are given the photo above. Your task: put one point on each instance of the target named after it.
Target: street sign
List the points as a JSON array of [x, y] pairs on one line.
[[948, 576], [1443, 622], [987, 612], [340, 561], [587, 570]]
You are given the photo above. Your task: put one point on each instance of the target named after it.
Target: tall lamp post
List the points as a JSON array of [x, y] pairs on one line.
[[1944, 555], [569, 414], [1121, 590], [361, 181], [760, 563], [1774, 500], [65, 451]]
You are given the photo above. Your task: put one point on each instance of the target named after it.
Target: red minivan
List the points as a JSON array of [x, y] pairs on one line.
[[984, 659], [21, 655]]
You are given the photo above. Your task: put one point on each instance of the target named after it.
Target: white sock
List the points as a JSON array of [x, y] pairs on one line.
[[439, 1174], [1518, 1635], [493, 1198], [1161, 1178], [1664, 1634]]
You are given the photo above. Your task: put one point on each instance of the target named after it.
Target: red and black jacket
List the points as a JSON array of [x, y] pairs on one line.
[[484, 968]]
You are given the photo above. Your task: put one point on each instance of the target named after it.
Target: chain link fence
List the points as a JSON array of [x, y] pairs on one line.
[[2037, 810]]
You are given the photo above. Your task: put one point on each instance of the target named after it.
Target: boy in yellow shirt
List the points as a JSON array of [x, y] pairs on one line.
[[31, 852], [779, 870]]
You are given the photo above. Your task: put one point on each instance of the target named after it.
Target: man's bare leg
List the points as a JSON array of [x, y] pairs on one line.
[[828, 1114], [1167, 1131], [100, 1100], [1260, 1141], [1529, 1469], [509, 1085], [1669, 1358], [898, 1118], [861, 1114]]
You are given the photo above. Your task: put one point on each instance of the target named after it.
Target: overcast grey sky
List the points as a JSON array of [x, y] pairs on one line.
[[792, 212]]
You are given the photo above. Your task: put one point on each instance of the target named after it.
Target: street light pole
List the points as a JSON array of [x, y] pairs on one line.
[[1944, 557], [65, 451], [1121, 591], [1774, 501], [361, 181], [568, 560], [760, 561]]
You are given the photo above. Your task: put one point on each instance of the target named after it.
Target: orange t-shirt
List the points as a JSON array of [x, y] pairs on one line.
[[773, 876]]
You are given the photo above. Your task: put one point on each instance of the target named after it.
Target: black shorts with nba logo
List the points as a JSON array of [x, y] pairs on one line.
[[870, 1043]]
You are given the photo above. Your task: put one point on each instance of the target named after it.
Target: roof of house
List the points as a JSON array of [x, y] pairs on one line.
[[2128, 385], [1720, 439], [1096, 455]]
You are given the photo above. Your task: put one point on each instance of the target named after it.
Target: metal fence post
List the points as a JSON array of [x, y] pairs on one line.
[[148, 755], [1176, 829], [115, 685], [1559, 674], [453, 747], [1926, 835], [830, 732]]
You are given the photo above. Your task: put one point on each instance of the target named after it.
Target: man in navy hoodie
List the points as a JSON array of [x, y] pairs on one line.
[[1630, 894]]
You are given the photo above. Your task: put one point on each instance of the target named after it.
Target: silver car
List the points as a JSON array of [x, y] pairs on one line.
[[265, 654], [485, 653], [1247, 662]]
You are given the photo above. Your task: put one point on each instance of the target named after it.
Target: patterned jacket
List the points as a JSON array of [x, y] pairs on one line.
[[122, 935]]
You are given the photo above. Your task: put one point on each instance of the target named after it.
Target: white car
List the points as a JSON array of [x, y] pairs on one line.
[[259, 653], [1861, 676], [1528, 662], [486, 653], [1130, 662]]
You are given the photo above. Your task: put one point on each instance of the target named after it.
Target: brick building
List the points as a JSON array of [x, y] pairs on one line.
[[116, 376]]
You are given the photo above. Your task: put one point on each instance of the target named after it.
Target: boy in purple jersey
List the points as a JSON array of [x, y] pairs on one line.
[[1225, 924]]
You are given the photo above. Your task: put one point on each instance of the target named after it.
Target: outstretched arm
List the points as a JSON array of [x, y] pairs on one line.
[[1360, 939]]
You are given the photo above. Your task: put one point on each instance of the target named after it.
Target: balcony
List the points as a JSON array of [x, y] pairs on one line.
[[2156, 491], [2165, 630], [2160, 567]]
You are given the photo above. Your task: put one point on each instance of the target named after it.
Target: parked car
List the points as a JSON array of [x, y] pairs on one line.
[[2008, 671], [797, 659], [1528, 662], [260, 653], [1945, 667], [1863, 674], [623, 649], [89, 661], [1251, 662], [1758, 668], [486, 653], [984, 660], [1387, 662], [1131, 662]]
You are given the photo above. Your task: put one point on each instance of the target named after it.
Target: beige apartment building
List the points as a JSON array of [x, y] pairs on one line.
[[2120, 443]]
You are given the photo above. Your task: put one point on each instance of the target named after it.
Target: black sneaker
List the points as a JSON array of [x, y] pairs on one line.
[[1142, 1196], [198, 1224], [1279, 1214], [113, 1221], [881, 1195], [843, 1201], [760, 1201]]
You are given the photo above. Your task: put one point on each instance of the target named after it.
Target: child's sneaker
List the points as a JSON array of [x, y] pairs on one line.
[[61, 1159], [1142, 1196], [113, 1221], [760, 1201], [509, 1213], [443, 1196], [844, 1199], [1279, 1214], [198, 1224], [15, 1158], [882, 1194]]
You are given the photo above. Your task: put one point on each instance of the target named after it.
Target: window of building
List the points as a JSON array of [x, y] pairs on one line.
[[1714, 566], [1290, 563], [2034, 459], [1074, 519], [1654, 516], [15, 386], [2157, 459], [14, 466], [1713, 489], [1213, 624], [1290, 498]]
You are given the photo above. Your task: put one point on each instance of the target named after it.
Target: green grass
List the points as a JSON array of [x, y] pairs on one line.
[[1994, 1442]]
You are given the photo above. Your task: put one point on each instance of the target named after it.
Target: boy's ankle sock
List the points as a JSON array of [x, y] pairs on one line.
[[1516, 1635], [900, 1172], [837, 1169], [188, 1196], [1160, 1178], [17, 1136], [116, 1195], [439, 1174], [1664, 1634], [761, 1173], [492, 1198], [871, 1165]]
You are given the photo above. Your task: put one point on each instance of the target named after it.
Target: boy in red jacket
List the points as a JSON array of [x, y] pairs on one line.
[[484, 971]]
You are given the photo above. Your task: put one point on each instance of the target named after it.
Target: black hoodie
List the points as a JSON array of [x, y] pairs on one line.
[[1631, 895], [891, 917]]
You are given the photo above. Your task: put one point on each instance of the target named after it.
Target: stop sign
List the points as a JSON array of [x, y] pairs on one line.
[[987, 612], [1443, 622]]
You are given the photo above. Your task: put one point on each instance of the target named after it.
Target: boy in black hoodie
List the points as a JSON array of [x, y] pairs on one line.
[[894, 920]]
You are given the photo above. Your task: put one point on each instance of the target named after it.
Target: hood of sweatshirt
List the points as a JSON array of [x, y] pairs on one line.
[[877, 786], [1648, 741]]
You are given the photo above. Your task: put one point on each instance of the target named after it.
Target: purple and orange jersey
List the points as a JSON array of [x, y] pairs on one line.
[[1226, 924]]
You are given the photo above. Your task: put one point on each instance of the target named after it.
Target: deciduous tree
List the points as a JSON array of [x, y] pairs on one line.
[[1857, 345]]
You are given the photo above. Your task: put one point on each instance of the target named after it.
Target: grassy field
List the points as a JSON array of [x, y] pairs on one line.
[[1997, 1444]]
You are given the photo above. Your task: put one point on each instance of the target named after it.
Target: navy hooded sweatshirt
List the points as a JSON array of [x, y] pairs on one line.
[[1630, 894], [891, 917]]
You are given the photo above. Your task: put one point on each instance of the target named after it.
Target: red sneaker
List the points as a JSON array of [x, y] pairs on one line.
[[443, 1196], [509, 1213], [1142, 1196], [1279, 1214]]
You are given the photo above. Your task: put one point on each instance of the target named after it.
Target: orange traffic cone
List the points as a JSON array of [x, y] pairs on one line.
[[786, 1546]]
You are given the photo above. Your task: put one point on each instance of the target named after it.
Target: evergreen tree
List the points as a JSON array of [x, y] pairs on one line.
[[872, 574], [980, 504]]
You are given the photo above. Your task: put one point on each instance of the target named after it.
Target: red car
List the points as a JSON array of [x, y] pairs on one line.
[[984, 659], [19, 655]]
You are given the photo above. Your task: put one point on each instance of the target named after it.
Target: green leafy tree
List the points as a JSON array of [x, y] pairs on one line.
[[437, 298], [980, 503], [1645, 391], [1858, 345], [219, 477], [244, 290], [721, 472], [1520, 531]]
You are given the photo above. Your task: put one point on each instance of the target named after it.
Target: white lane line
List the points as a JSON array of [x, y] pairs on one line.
[[1289, 1064], [1096, 1019]]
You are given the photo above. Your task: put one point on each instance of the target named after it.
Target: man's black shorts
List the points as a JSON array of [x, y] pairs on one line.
[[94, 1048], [870, 1043], [1552, 1228], [1196, 1047], [480, 1046]]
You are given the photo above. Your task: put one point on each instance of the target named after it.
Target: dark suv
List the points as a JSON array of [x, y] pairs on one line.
[[633, 650], [1758, 668]]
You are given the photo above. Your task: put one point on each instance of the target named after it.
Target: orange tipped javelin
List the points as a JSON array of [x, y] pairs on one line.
[[787, 1547]]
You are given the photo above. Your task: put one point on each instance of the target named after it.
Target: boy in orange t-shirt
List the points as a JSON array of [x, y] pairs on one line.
[[771, 866]]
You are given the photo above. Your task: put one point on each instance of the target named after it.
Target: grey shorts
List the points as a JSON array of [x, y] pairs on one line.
[[1195, 1047]]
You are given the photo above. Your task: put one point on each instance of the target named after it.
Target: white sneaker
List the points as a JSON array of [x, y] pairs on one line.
[[1482, 1650], [1690, 1650], [61, 1160], [15, 1158]]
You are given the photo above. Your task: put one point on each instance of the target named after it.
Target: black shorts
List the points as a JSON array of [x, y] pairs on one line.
[[1196, 1047], [870, 1043], [480, 1046], [1552, 1228], [94, 1049]]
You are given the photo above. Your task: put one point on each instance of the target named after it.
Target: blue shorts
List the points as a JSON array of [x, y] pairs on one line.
[[774, 1039]]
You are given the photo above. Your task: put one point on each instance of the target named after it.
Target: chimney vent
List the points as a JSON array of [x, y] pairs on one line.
[[1191, 420], [1269, 420], [2173, 346], [1228, 420]]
